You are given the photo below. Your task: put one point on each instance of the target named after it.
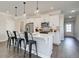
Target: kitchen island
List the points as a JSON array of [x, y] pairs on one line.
[[44, 44]]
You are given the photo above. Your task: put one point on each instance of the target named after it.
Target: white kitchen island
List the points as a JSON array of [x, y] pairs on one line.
[[44, 44]]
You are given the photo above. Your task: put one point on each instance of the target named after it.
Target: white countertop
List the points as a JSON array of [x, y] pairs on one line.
[[45, 37]]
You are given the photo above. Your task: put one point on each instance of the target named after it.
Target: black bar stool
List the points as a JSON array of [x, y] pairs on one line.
[[30, 43], [18, 40], [10, 39]]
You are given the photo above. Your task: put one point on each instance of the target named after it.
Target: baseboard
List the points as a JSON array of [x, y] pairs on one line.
[[76, 39], [69, 36], [72, 37]]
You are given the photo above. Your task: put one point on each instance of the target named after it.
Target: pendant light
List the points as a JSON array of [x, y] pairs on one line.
[[24, 3], [15, 10], [37, 9]]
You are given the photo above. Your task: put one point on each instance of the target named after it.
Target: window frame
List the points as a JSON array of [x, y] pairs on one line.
[[68, 27]]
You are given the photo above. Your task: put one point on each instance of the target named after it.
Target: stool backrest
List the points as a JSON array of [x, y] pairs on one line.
[[26, 36], [8, 34], [15, 34]]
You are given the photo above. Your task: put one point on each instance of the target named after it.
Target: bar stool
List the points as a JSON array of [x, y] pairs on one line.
[[30, 43], [18, 40], [10, 39]]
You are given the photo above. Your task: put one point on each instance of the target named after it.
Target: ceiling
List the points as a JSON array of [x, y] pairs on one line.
[[44, 6]]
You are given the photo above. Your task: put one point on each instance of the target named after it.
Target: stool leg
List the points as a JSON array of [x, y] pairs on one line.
[[18, 46], [36, 48], [30, 48], [8, 42], [13, 42], [25, 45]]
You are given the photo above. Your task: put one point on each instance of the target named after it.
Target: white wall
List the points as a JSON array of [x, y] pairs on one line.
[[77, 27], [52, 18], [62, 26], [6, 23]]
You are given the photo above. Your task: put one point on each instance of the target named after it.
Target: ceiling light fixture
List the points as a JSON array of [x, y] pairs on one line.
[[15, 10], [24, 9], [72, 11], [24, 6], [37, 9], [70, 16]]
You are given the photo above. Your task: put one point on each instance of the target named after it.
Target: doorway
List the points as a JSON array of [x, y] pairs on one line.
[[69, 28]]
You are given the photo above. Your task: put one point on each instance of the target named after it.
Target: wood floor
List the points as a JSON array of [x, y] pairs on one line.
[[69, 48], [10, 53]]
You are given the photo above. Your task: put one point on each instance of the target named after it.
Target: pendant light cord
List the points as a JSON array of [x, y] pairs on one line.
[[24, 7], [37, 5], [15, 10]]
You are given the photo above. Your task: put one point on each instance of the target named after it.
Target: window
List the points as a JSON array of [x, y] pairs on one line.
[[68, 28]]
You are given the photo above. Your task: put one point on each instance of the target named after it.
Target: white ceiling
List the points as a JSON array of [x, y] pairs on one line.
[[65, 6]]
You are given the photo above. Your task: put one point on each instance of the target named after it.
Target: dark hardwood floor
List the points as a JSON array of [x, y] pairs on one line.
[[69, 48], [10, 53]]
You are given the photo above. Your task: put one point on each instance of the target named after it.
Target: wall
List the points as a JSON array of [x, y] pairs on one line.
[[52, 18], [6, 23], [77, 27], [18, 22], [62, 26]]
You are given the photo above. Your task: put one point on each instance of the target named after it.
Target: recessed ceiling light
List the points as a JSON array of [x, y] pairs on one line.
[[70, 16], [72, 11]]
